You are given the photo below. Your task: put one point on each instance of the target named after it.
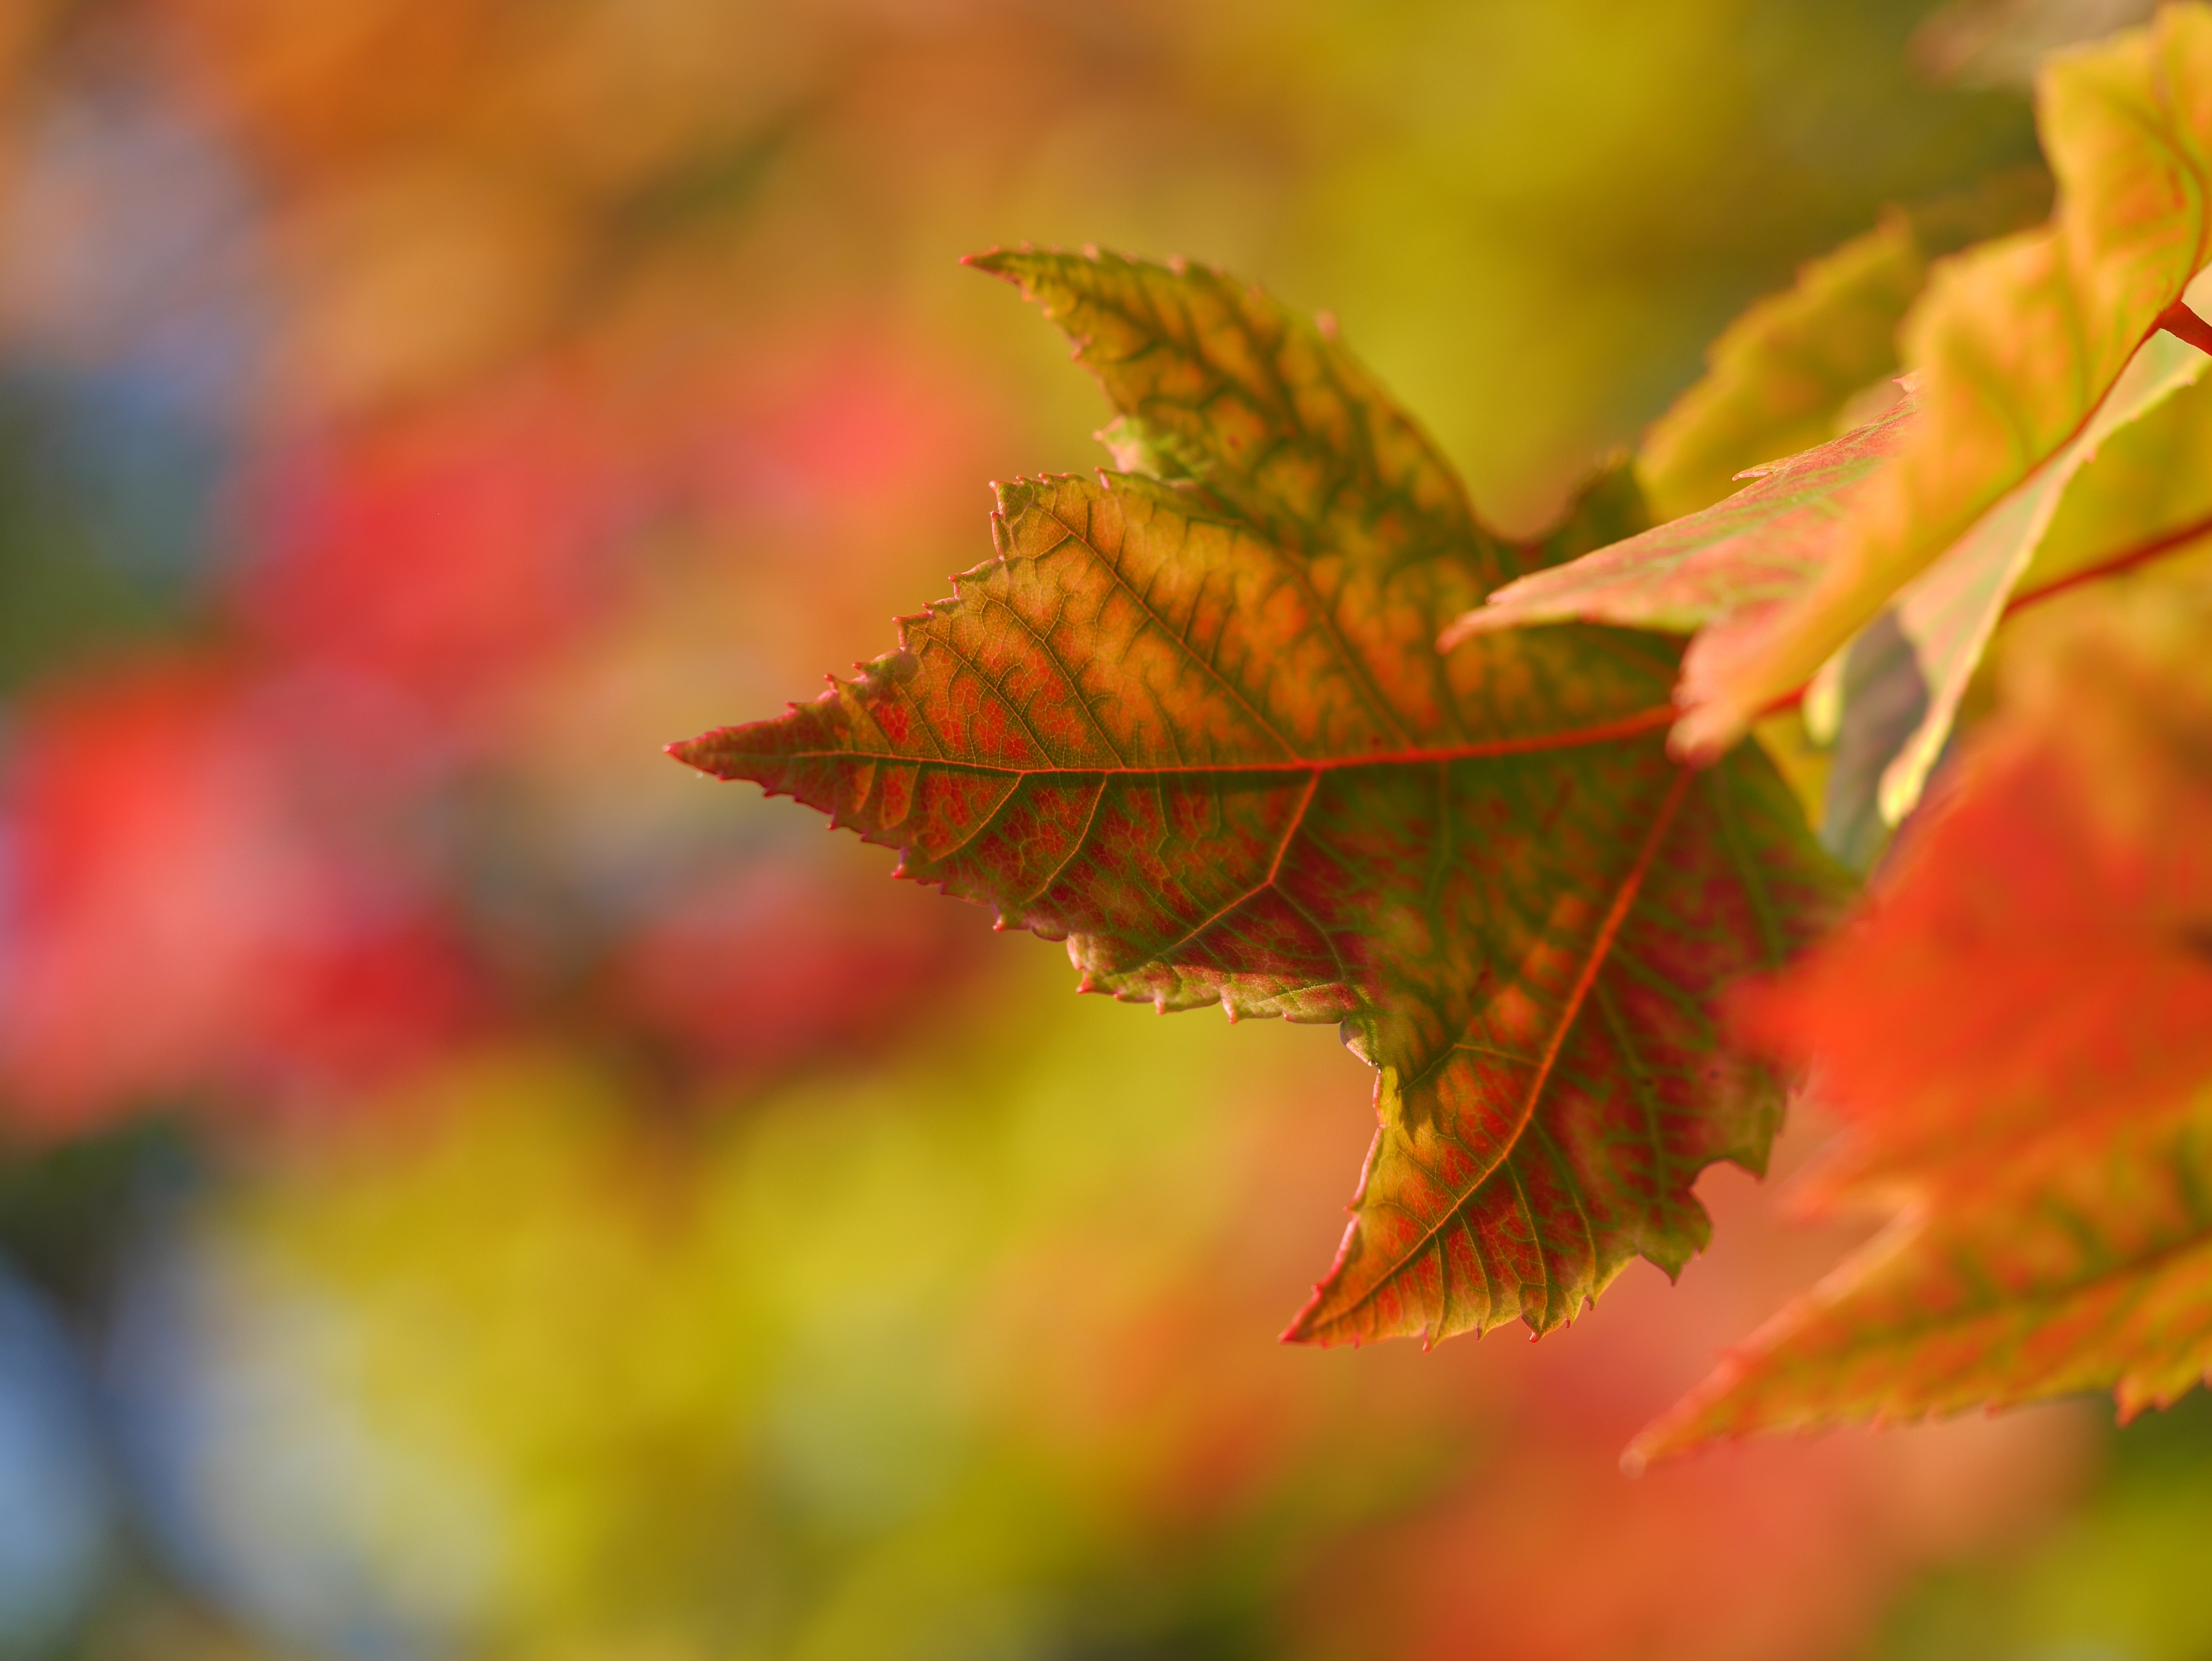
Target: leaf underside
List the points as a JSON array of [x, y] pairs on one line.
[[1196, 724]]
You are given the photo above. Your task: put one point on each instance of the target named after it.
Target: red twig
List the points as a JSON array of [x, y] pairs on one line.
[[2141, 554], [2179, 321]]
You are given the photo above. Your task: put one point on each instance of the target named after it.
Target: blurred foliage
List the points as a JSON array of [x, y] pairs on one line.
[[818, 1380], [2122, 1577]]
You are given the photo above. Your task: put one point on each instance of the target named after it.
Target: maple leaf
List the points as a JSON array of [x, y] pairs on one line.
[[1198, 726], [2014, 346], [2018, 1035], [1878, 714]]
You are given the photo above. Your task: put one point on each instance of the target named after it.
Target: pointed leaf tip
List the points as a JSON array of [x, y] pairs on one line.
[[690, 751], [992, 262]]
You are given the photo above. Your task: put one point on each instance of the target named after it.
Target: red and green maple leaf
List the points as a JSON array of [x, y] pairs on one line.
[[1195, 720]]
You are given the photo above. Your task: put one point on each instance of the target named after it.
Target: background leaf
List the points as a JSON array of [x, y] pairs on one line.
[[1784, 376], [1950, 611], [2019, 1036], [2069, 1268], [2015, 345]]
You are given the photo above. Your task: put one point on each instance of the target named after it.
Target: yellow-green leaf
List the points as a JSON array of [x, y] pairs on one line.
[[1950, 609], [2015, 345], [1790, 372], [1779, 373]]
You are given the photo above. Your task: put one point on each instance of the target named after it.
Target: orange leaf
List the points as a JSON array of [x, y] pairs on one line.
[[2019, 1034]]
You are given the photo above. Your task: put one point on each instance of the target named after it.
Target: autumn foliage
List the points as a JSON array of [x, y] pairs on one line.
[[469, 1187], [1266, 718]]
